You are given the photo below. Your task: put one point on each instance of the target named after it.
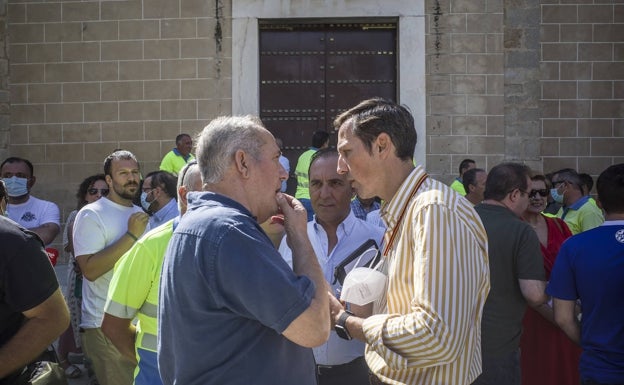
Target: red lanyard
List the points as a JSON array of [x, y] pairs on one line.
[[395, 230]]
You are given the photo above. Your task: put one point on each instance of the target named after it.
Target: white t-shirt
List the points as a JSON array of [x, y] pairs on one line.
[[286, 164], [34, 213], [98, 225]]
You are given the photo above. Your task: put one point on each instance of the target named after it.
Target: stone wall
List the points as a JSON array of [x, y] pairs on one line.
[[4, 82]]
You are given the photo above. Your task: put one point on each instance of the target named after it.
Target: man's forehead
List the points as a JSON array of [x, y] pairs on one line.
[[16, 167], [124, 164]]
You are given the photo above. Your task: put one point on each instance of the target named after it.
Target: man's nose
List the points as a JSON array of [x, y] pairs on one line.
[[342, 167]]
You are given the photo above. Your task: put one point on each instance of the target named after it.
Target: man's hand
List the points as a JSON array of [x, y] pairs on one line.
[[295, 218], [137, 223]]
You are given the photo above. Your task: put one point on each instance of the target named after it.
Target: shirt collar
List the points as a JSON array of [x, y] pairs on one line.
[[391, 210], [178, 153], [165, 210], [345, 227], [580, 202]]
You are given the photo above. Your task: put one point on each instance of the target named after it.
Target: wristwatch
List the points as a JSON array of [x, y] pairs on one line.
[[341, 327]]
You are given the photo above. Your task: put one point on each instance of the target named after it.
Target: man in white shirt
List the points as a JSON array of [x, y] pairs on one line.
[[37, 215], [335, 233], [103, 231]]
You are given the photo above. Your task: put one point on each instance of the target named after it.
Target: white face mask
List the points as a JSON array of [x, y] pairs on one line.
[[363, 285]]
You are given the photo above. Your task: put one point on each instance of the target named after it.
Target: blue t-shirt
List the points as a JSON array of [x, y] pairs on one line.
[[226, 295], [590, 267]]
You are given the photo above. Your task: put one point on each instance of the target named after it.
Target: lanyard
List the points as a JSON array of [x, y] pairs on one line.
[[395, 230]]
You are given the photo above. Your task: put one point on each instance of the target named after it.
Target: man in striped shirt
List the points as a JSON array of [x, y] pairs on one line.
[[428, 328]]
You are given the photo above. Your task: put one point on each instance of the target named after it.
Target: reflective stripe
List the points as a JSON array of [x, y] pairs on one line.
[[149, 342], [119, 310], [149, 309]]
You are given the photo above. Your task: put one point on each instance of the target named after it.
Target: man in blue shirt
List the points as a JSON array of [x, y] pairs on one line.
[[231, 311], [589, 268]]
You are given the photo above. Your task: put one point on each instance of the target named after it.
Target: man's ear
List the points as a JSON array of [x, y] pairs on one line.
[[31, 182], [242, 162], [182, 191], [384, 145]]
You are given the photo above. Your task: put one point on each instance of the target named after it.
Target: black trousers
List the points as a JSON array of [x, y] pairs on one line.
[[351, 373]]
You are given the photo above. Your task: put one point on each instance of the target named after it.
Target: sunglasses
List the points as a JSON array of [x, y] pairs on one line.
[[93, 191], [543, 193]]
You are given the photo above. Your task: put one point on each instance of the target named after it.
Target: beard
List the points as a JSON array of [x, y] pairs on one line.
[[124, 192]]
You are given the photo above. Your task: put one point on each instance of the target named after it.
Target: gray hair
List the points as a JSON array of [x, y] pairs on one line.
[[221, 138]]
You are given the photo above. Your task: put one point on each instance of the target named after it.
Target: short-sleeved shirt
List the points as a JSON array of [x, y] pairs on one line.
[[514, 253], [590, 267], [301, 172], [173, 161], [27, 278], [226, 297], [458, 186], [581, 216], [34, 213]]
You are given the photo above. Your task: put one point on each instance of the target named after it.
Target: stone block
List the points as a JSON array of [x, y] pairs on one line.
[[122, 50], [81, 11], [486, 145], [618, 90], [17, 53], [495, 84], [484, 23], [145, 151], [595, 128], [179, 69], [607, 109], [67, 152], [140, 110], [16, 13], [549, 146], [558, 89], [595, 13], [495, 125], [448, 64], [448, 105], [438, 85], [485, 64], [178, 28], [74, 51], [595, 52], [608, 32], [81, 132], [75, 173], [43, 12], [552, 164], [608, 71], [197, 48], [559, 14], [595, 89], [161, 9], [575, 108], [33, 152], [559, 51], [162, 130], [27, 113], [101, 71], [121, 10], [44, 93], [618, 128], [197, 89], [438, 125], [162, 89], [26, 33], [122, 131], [119, 91], [576, 71], [468, 84], [139, 29], [448, 145], [18, 134], [97, 152], [494, 43], [557, 128], [27, 73], [192, 127], [179, 109], [63, 72], [576, 32], [574, 147], [81, 92], [595, 165], [549, 71], [18, 94], [607, 146], [469, 125], [475, 6], [100, 30], [101, 112], [139, 70], [485, 105], [196, 8], [62, 32], [470, 43], [550, 33], [63, 113], [162, 49], [45, 133], [44, 53]]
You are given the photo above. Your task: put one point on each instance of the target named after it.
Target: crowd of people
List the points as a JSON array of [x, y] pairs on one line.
[[374, 273]]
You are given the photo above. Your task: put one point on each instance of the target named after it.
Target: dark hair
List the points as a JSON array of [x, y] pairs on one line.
[[504, 178], [3, 191], [180, 137], [84, 186], [541, 177], [118, 155], [377, 115], [470, 177], [166, 181], [319, 138], [465, 164], [587, 181], [322, 153], [569, 175], [610, 187], [15, 159]]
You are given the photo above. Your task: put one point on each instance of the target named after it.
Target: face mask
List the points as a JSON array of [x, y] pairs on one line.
[[363, 285], [554, 193], [16, 187], [144, 203]]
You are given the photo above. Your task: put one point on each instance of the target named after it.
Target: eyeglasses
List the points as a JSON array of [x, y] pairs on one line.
[[542, 192], [103, 191]]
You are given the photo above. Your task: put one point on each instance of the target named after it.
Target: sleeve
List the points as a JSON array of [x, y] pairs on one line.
[[562, 283], [89, 236], [29, 278], [51, 214], [131, 281], [166, 164], [252, 280], [447, 267], [285, 252], [529, 259]]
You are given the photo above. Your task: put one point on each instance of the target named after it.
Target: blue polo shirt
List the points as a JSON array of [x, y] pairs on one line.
[[226, 296]]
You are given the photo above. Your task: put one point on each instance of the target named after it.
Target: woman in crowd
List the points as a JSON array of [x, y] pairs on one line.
[[548, 356], [90, 190]]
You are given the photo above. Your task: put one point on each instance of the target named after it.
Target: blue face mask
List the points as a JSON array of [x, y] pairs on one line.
[[16, 187], [554, 193], [144, 203]]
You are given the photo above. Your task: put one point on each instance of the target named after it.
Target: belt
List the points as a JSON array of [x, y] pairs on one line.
[[336, 370]]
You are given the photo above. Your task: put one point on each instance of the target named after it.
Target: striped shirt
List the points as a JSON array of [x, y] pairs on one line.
[[438, 281]]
